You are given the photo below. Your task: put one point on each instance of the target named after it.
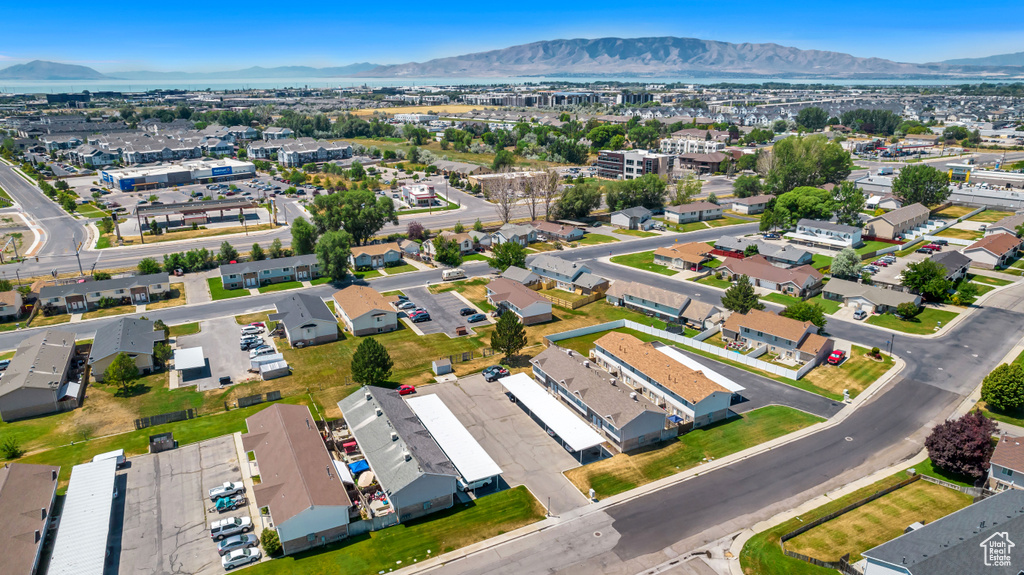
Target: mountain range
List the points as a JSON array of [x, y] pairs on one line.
[[662, 57]]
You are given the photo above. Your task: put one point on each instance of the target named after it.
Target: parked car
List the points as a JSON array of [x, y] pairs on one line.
[[227, 489], [837, 357], [229, 503], [251, 330], [934, 247], [225, 380], [923, 251], [476, 317], [258, 324], [882, 263], [771, 236], [261, 350], [4, 364], [467, 311], [495, 372], [406, 389], [860, 314], [941, 242], [406, 305], [229, 526], [420, 317], [236, 542], [240, 557]]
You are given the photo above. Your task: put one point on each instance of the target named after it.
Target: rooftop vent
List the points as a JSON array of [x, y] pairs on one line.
[[406, 455], [394, 436], [369, 396], [380, 412]]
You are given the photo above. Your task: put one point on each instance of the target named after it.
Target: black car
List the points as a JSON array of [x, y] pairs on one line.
[[467, 311], [923, 251], [941, 242], [421, 317], [495, 372], [225, 380]]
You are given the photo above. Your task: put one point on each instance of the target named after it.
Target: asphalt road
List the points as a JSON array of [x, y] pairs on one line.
[[62, 231]]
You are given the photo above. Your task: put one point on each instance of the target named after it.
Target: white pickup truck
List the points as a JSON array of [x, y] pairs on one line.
[[227, 489]]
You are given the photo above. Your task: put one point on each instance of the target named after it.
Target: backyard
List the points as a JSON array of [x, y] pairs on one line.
[[828, 305], [643, 261], [923, 323], [855, 374], [961, 234]]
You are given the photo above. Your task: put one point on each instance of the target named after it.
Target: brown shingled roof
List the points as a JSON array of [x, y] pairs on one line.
[[694, 252], [375, 249], [504, 289], [767, 322], [8, 297], [357, 300], [1009, 453], [689, 384], [996, 244]]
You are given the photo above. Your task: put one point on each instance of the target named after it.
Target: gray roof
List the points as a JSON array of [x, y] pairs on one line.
[[699, 311], [593, 386], [520, 275], [509, 230], [635, 212], [874, 294], [268, 264], [132, 336], [953, 545], [648, 292], [1008, 223], [384, 454], [786, 252], [828, 226], [299, 309], [952, 260], [588, 280], [904, 214], [559, 266], [103, 285], [39, 362]]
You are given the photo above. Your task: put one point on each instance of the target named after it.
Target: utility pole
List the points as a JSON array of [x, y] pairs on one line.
[[78, 250]]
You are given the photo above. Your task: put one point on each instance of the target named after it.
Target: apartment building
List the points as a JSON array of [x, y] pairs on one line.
[[630, 164]]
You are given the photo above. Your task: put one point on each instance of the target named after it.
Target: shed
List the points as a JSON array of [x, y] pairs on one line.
[[441, 366], [274, 370]]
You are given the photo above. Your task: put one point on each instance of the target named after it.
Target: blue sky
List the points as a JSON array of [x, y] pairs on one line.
[[208, 36]]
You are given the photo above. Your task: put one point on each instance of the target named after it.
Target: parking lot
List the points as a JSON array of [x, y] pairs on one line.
[[522, 448], [891, 274], [219, 340], [444, 311], [165, 524]]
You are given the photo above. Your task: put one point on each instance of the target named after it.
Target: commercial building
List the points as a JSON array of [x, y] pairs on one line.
[[307, 320], [36, 381], [81, 546], [895, 224], [364, 311], [183, 174], [825, 234], [85, 296], [679, 146], [27, 494], [419, 195], [789, 339], [512, 296], [630, 164], [300, 485], [708, 163], [134, 337]]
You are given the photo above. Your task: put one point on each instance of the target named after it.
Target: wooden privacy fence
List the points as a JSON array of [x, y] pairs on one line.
[[144, 422], [468, 355], [573, 304], [255, 399]]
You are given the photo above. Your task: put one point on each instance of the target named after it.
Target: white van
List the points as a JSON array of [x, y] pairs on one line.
[[453, 274], [251, 330], [116, 454]]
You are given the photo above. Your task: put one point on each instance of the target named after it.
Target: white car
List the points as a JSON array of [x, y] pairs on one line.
[[227, 489], [407, 305], [236, 542], [240, 557], [230, 526], [262, 350], [251, 330]]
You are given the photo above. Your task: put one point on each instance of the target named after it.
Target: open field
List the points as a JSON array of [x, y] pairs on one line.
[[961, 234], [954, 212], [989, 216]]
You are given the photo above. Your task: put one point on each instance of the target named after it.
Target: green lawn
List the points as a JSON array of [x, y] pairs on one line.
[[989, 216], [909, 248], [103, 243], [994, 282], [279, 286], [624, 472], [13, 324], [562, 294], [727, 221], [594, 239], [637, 233], [643, 261], [402, 269], [217, 290], [855, 374], [367, 275], [91, 211], [922, 323], [872, 246], [475, 258], [828, 305], [821, 262], [682, 228], [184, 329], [961, 234], [408, 543], [5, 195], [321, 281], [712, 281]]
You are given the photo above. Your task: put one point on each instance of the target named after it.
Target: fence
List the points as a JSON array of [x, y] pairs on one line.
[[468, 355], [976, 492], [144, 422], [572, 304], [256, 399], [687, 342]]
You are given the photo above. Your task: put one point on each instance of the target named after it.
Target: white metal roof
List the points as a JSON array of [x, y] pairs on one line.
[[81, 544], [455, 441], [189, 358], [573, 430], [698, 366]]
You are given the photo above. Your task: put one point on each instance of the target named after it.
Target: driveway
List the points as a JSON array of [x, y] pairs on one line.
[[218, 339], [443, 309], [166, 525], [523, 449]]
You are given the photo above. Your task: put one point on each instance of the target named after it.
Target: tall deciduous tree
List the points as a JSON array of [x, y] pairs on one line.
[[371, 363], [548, 191], [509, 335], [276, 250], [921, 183], [122, 372], [806, 311], [303, 236], [927, 278], [332, 253], [846, 264], [804, 161], [962, 446], [741, 298], [746, 186], [148, 266], [446, 251], [578, 201], [361, 213], [256, 253], [803, 202], [848, 202], [687, 189], [1003, 389], [227, 253], [508, 254]]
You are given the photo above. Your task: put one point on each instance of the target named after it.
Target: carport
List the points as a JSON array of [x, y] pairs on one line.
[[475, 466], [84, 528], [575, 435], [189, 361]]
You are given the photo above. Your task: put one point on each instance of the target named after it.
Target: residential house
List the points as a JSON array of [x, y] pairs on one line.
[[627, 419], [27, 495], [801, 281], [655, 371], [1007, 225], [409, 248], [994, 251], [954, 262], [243, 132], [364, 311], [482, 239], [300, 485], [36, 381], [789, 339], [566, 275], [635, 218], [825, 234], [416, 477], [653, 301], [519, 233], [687, 256], [10, 304], [701, 316], [555, 231], [869, 298], [134, 337], [750, 205], [782, 255], [464, 240], [976, 539], [307, 320], [893, 225], [512, 296], [372, 256], [886, 202], [1007, 465], [255, 274], [523, 276], [693, 212], [85, 296]]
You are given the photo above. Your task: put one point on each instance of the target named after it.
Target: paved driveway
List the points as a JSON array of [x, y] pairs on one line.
[[523, 450], [219, 340], [443, 309], [165, 525]]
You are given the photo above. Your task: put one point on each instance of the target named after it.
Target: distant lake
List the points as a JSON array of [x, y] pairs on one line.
[[60, 86]]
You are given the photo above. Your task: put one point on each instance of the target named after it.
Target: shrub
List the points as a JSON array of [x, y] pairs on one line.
[[11, 449], [876, 352], [270, 541]]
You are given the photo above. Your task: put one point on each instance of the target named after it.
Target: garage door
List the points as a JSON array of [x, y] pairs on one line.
[[768, 284]]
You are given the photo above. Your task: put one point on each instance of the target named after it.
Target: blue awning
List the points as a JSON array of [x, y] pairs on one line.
[[675, 419], [358, 467]]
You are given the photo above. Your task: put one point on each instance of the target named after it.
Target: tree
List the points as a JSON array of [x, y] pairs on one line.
[[270, 541], [908, 309], [96, 276], [750, 250], [446, 251], [509, 335], [360, 212], [804, 161], [921, 183], [962, 446], [256, 253], [414, 230], [648, 191], [502, 159], [162, 352], [846, 264], [687, 189], [227, 253], [356, 172], [1003, 389], [812, 118], [371, 363], [803, 203], [5, 285], [746, 186], [478, 226], [848, 202], [806, 311], [578, 201], [712, 198], [965, 294], [159, 325], [122, 372], [508, 254], [927, 278], [276, 250], [303, 236], [459, 228], [148, 266], [547, 189], [741, 298], [504, 192], [332, 253]]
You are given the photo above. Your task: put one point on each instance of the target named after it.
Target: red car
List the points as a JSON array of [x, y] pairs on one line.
[[837, 357], [880, 263], [935, 247], [406, 389]]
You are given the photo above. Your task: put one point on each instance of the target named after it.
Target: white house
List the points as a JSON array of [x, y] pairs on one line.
[[364, 311], [307, 320], [826, 234], [635, 218]]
